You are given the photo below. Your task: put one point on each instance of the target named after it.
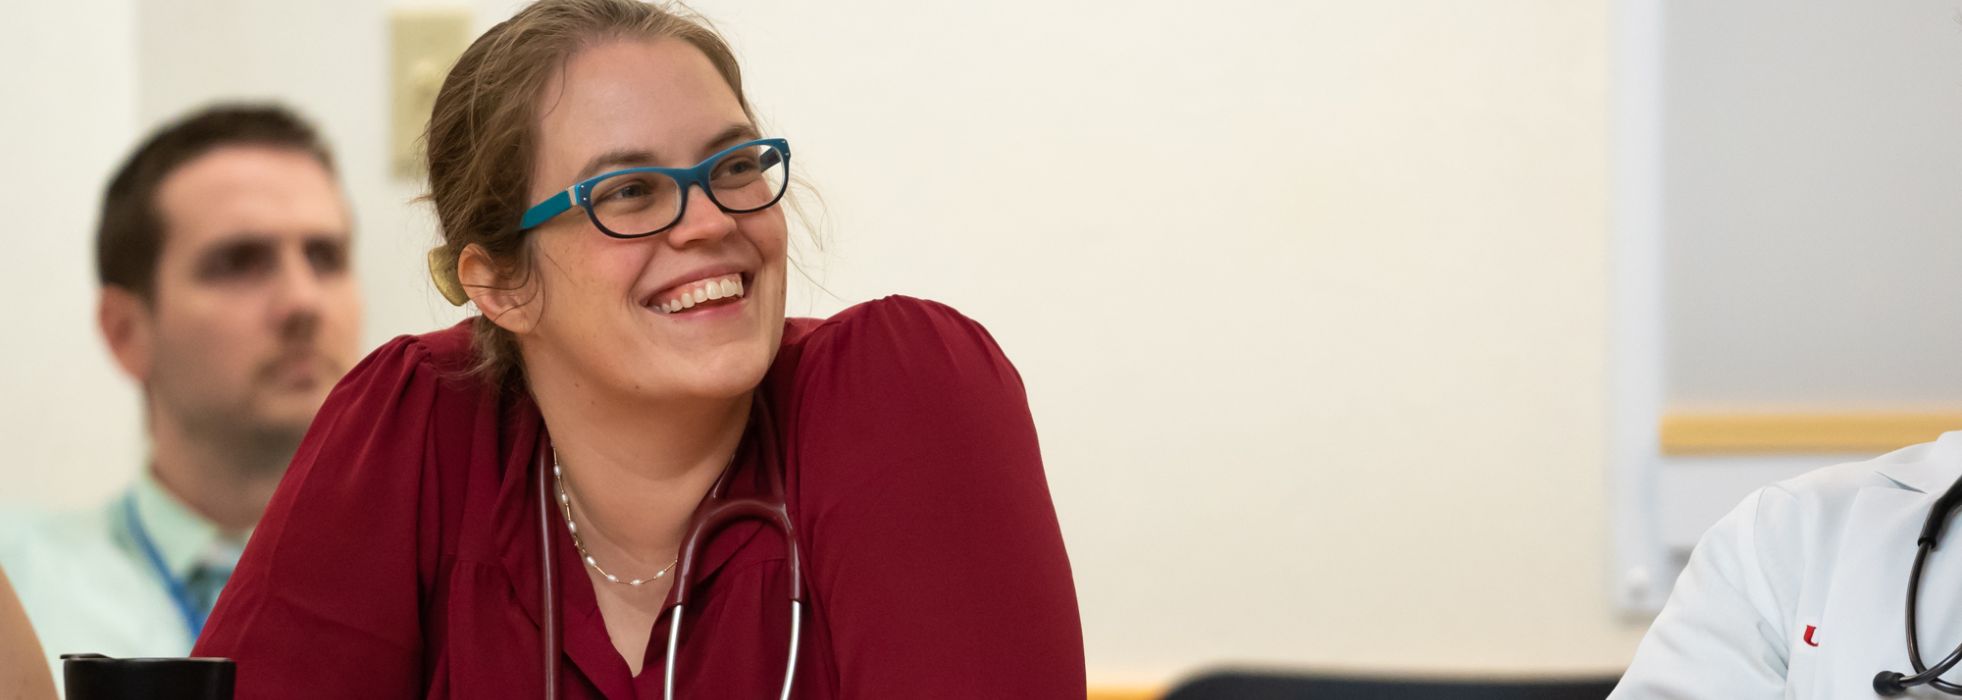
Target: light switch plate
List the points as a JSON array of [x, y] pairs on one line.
[[425, 42]]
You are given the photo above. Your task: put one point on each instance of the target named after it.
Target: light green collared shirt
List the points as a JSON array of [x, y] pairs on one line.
[[87, 585]]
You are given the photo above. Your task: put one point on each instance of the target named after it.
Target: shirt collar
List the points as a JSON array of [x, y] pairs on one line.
[[1928, 467], [184, 539]]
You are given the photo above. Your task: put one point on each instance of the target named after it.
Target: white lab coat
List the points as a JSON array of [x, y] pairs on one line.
[[1829, 553]]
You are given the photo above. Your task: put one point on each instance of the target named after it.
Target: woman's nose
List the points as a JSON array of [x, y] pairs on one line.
[[701, 220]]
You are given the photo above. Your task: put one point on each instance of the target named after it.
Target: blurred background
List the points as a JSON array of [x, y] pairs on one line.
[[1415, 338]]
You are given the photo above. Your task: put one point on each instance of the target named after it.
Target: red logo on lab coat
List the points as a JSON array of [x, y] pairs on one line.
[[1809, 629]]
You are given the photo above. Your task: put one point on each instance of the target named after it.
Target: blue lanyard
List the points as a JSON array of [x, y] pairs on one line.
[[193, 618]]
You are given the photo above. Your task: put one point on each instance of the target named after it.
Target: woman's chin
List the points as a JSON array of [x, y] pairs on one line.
[[721, 378]]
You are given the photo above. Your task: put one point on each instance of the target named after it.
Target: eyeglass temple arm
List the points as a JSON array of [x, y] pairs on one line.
[[544, 211]]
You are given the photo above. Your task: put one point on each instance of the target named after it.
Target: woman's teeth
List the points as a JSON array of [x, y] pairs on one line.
[[704, 291]]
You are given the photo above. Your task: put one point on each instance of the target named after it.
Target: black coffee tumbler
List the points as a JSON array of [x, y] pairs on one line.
[[98, 677]]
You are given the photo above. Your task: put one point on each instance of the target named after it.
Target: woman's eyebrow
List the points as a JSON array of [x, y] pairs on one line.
[[731, 135], [633, 157], [615, 158]]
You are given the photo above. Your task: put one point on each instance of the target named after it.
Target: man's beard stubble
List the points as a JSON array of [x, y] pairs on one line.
[[242, 424]]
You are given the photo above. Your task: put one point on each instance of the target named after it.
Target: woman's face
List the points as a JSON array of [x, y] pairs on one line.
[[603, 304]]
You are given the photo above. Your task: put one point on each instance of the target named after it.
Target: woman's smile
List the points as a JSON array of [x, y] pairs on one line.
[[701, 297]]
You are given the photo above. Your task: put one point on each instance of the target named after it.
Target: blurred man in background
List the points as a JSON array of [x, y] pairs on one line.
[[223, 257]]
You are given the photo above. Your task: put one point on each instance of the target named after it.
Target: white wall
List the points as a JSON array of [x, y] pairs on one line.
[[1791, 171], [328, 60], [94, 80], [67, 113], [1310, 297], [1811, 167]]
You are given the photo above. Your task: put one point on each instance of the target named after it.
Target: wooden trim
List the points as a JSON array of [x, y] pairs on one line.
[[1124, 693], [1852, 432]]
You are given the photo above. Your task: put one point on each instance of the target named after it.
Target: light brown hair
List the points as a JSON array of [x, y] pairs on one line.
[[482, 134]]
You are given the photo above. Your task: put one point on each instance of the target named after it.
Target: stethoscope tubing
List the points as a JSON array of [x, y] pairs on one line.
[[1925, 674], [716, 512], [1892, 683], [789, 668], [548, 623]]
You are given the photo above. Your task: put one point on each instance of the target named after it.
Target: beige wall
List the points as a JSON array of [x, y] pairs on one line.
[[69, 111], [1310, 297]]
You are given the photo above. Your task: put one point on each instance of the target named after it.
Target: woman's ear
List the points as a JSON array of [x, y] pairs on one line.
[[504, 302]]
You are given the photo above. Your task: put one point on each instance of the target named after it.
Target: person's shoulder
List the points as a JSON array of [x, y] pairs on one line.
[[899, 308], [894, 327], [1929, 467], [893, 344], [450, 347], [413, 392], [904, 390], [27, 521], [21, 522], [38, 539], [896, 340], [448, 350], [1788, 521], [444, 360]]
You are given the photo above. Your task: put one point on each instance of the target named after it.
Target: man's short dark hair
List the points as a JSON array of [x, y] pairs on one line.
[[129, 237]]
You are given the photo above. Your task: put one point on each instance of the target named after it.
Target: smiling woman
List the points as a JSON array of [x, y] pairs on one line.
[[514, 506]]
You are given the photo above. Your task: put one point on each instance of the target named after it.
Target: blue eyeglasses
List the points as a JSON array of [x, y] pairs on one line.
[[639, 202]]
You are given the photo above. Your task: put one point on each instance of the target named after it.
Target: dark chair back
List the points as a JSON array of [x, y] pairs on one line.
[[98, 677], [1267, 685]]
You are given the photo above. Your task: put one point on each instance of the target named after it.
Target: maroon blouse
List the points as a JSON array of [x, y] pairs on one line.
[[400, 556]]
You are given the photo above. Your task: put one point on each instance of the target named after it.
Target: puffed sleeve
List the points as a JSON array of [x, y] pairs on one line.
[[932, 545], [324, 603], [1722, 634]]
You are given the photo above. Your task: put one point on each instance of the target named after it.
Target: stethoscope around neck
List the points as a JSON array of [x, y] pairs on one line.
[[716, 512], [1892, 683]]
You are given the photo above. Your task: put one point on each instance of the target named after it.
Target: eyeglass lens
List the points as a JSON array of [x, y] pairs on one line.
[[743, 180]]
